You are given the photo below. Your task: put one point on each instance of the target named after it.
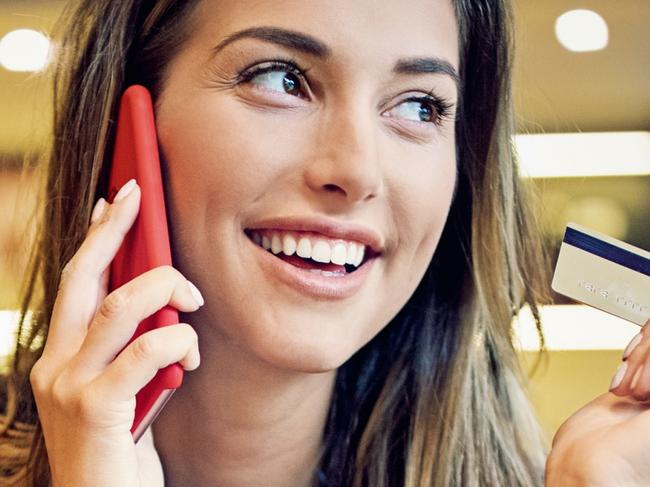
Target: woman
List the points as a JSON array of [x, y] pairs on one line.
[[363, 124]]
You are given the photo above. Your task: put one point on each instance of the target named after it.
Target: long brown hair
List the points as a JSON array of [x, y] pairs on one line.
[[437, 398]]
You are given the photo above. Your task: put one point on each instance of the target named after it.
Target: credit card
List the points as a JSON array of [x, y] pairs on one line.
[[605, 273]]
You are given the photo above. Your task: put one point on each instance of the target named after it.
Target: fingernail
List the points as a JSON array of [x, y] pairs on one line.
[[635, 379], [125, 190], [631, 346], [97, 210], [196, 294], [618, 376]]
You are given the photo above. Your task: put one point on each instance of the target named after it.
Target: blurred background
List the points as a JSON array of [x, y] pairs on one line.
[[582, 92]]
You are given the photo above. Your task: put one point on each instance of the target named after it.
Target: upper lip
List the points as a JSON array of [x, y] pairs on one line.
[[327, 227]]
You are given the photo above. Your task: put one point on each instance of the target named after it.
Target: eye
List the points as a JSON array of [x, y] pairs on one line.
[[279, 76], [424, 109]]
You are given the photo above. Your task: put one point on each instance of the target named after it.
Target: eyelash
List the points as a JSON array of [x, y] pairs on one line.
[[288, 65], [440, 107]]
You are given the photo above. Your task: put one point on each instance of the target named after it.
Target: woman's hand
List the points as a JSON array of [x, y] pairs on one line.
[[607, 442], [84, 383]]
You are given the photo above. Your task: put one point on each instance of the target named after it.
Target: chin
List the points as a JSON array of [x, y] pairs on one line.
[[303, 356]]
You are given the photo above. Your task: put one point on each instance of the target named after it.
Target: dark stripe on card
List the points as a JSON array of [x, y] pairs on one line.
[[606, 250]]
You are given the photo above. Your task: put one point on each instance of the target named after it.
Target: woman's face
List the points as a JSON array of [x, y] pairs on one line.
[[343, 136]]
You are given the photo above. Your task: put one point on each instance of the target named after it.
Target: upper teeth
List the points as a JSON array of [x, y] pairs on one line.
[[319, 249]]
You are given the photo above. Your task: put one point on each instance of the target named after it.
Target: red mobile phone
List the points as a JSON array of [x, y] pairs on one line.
[[146, 245]]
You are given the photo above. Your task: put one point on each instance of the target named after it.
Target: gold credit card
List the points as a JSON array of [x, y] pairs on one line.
[[605, 273]]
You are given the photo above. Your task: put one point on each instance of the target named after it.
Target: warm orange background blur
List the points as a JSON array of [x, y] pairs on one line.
[[555, 91]]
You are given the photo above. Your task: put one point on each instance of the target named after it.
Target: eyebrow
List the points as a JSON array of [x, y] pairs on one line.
[[310, 45]]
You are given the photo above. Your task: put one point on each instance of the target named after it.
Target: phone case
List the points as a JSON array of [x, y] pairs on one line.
[[146, 245]]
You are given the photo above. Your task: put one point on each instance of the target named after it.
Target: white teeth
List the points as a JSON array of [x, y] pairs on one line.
[[266, 243], [321, 252], [304, 248], [339, 253], [276, 244], [360, 256], [288, 244], [327, 273], [351, 256], [317, 249]]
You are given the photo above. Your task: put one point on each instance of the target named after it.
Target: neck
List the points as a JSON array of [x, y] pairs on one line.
[[238, 421]]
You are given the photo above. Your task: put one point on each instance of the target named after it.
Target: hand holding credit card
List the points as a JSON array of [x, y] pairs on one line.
[[605, 273], [606, 442]]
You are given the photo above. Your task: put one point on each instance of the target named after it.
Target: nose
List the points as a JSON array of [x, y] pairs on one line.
[[344, 163]]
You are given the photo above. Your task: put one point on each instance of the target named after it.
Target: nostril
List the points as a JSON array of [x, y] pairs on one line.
[[333, 188]]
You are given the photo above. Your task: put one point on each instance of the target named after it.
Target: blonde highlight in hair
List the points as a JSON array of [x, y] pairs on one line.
[[437, 398], [101, 49], [438, 395]]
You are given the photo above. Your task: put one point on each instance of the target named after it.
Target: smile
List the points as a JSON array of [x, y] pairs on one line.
[[310, 247], [313, 264]]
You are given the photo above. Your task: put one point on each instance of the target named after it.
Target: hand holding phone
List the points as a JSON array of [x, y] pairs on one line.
[[85, 382], [146, 245], [91, 369]]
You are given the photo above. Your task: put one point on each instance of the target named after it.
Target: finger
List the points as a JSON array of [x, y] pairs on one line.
[[97, 217], [620, 377], [98, 211], [137, 364], [79, 285], [124, 308], [636, 340], [102, 291], [639, 384], [633, 357]]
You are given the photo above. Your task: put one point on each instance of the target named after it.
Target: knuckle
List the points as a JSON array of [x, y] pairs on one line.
[[76, 403], [86, 404], [144, 348], [163, 270], [69, 270], [114, 304], [189, 332], [168, 272], [79, 403], [37, 379], [60, 394]]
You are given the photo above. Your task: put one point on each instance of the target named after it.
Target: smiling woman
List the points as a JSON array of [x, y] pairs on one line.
[[341, 187]]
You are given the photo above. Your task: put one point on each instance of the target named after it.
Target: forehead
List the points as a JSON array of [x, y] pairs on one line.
[[362, 33]]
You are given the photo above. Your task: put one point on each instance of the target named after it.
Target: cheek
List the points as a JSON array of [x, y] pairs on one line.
[[223, 151], [422, 197]]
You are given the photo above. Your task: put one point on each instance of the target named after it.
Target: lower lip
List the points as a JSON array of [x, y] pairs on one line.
[[310, 283]]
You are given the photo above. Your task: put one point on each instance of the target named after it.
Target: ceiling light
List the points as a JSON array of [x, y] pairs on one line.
[[24, 50], [581, 30], [584, 154]]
